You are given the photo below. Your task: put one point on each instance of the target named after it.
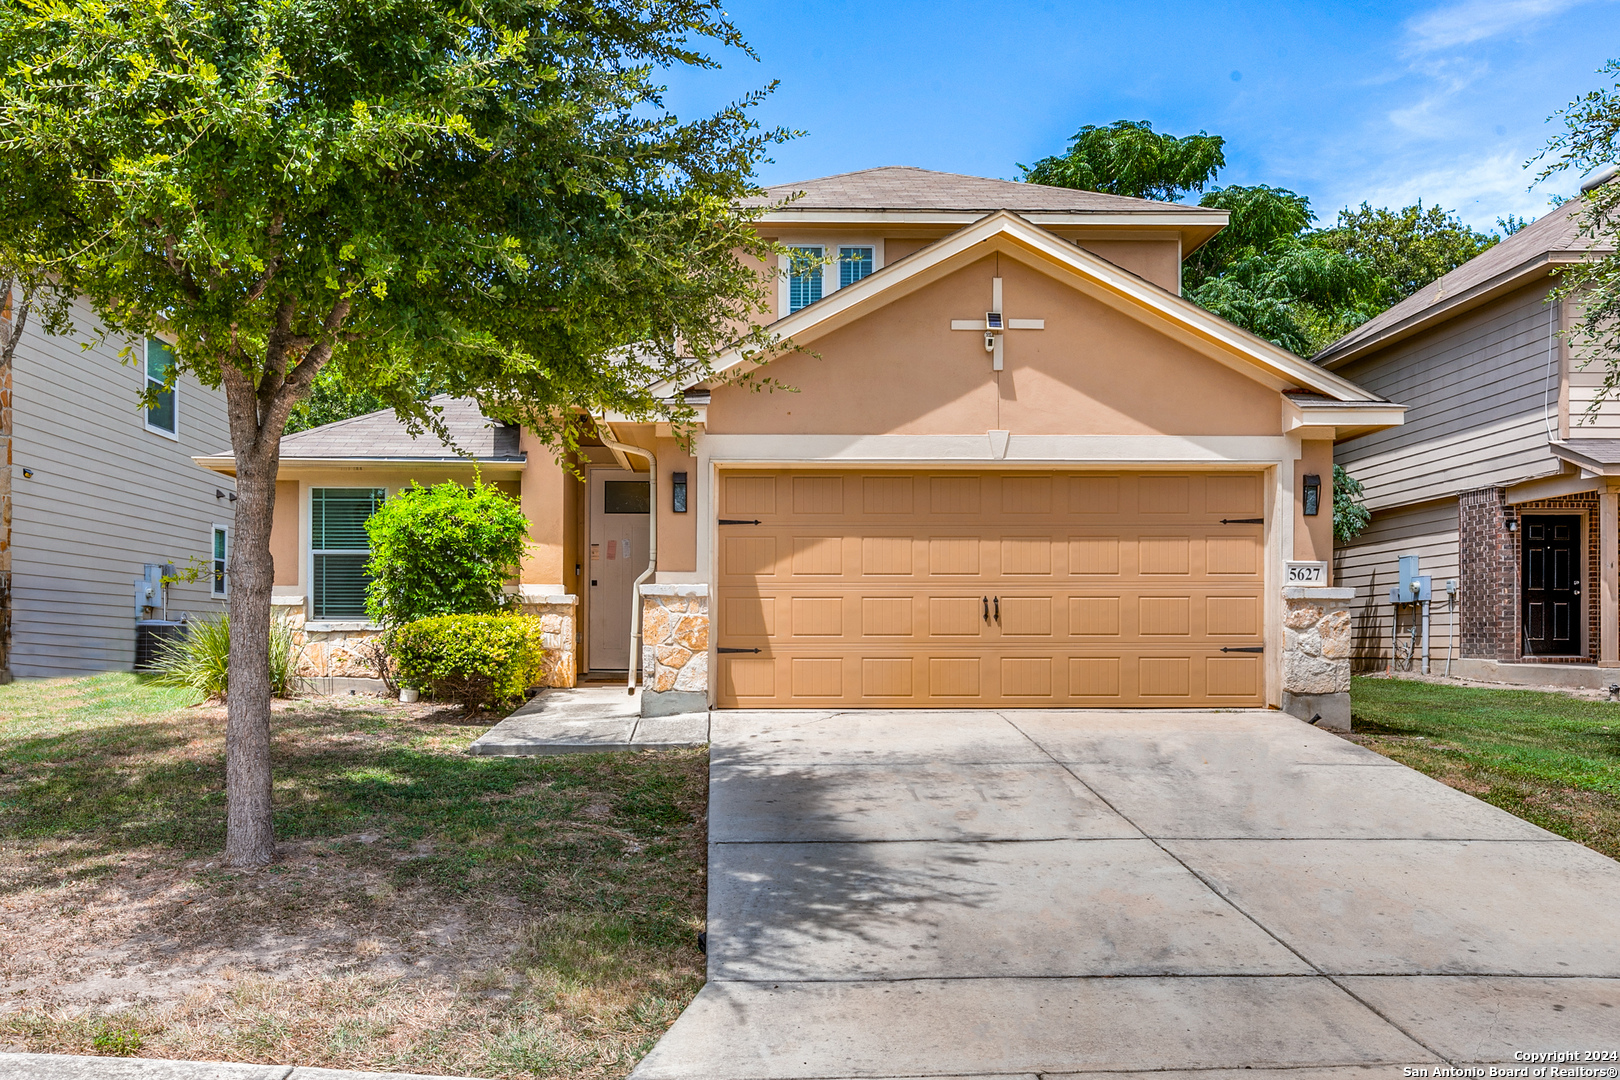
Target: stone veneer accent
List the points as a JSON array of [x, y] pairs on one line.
[[339, 651], [1316, 654], [674, 649]]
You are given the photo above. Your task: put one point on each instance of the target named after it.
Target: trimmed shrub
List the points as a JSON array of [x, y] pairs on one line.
[[477, 661], [443, 550], [202, 658]]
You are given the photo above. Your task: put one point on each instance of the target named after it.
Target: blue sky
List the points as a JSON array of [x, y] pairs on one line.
[[1343, 102]]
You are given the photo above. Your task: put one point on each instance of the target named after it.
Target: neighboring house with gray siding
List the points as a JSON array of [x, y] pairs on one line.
[[1488, 480], [101, 486]]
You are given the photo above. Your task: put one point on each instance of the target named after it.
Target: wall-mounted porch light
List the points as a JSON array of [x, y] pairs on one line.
[[677, 492], [1313, 494]]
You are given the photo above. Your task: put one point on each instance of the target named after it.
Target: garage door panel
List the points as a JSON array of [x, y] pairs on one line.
[[881, 589]]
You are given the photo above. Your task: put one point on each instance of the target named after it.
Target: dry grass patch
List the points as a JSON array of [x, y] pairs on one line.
[[428, 911]]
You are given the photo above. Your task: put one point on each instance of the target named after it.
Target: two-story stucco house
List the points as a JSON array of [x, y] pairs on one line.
[[101, 487], [1018, 470], [1503, 478]]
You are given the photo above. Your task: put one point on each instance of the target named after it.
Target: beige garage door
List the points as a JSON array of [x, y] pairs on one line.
[[958, 589]]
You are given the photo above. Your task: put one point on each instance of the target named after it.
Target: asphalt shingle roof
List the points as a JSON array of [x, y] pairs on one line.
[[381, 435], [1557, 233], [902, 187]]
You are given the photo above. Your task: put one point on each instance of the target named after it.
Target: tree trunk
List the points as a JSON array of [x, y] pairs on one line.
[[249, 834]]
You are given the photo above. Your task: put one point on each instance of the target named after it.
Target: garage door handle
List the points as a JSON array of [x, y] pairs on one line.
[[998, 609], [737, 521], [1243, 521], [736, 650], [1243, 648], [986, 609]]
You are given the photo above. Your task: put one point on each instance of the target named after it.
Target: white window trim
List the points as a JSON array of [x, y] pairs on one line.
[[307, 501], [146, 347], [223, 580], [829, 269]]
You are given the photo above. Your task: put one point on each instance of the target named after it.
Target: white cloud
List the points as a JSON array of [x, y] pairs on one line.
[[1476, 20], [1478, 190]]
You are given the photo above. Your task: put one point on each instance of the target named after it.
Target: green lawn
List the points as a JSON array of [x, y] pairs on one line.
[[1550, 758], [428, 911]]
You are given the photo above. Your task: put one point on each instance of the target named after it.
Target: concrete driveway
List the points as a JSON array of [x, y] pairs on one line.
[[975, 894]]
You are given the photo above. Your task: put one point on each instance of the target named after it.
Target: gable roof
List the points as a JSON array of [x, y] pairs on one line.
[[1007, 231], [380, 436], [904, 187], [1552, 240]]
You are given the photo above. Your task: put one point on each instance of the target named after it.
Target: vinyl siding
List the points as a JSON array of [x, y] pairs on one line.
[[1369, 565], [1586, 375], [1480, 394], [107, 496]]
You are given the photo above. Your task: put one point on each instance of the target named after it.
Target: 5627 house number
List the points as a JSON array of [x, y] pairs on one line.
[[1305, 573]]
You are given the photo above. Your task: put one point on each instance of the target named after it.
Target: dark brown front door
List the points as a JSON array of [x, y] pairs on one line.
[[1552, 585]]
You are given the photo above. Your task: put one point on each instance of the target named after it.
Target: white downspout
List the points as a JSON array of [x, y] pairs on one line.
[[602, 431]]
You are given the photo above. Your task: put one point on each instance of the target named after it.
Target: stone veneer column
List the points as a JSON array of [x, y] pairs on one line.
[[674, 649], [1316, 655], [558, 619]]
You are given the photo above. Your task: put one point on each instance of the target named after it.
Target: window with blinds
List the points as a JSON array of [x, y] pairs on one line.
[[804, 278], [339, 550], [854, 263]]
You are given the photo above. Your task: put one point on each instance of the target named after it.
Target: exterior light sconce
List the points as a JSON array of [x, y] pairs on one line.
[[677, 492], [218, 494], [1313, 494], [28, 474]]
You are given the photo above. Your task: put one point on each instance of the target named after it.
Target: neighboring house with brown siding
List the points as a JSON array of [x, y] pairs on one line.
[[1018, 469], [1500, 479], [100, 487]]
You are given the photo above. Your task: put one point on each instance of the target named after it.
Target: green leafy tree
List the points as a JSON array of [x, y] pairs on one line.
[[1590, 142], [1350, 514], [487, 198], [1404, 249], [1129, 158], [443, 550], [1263, 273]]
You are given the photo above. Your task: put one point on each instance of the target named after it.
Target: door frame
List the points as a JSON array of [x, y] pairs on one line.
[[1587, 598]]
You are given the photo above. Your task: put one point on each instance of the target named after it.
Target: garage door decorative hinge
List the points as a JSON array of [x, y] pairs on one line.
[[1228, 648], [736, 650], [737, 521], [1243, 521]]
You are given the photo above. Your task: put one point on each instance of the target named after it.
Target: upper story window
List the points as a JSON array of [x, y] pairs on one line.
[[340, 547], [854, 263], [804, 277], [163, 414]]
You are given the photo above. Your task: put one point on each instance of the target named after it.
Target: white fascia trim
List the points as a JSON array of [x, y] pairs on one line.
[[1117, 287], [227, 464], [978, 450], [1380, 414], [967, 217], [700, 416]]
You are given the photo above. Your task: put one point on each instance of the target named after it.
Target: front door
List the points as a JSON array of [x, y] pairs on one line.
[[1552, 585], [617, 556]]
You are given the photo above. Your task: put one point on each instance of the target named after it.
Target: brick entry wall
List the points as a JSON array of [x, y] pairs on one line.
[[1489, 556]]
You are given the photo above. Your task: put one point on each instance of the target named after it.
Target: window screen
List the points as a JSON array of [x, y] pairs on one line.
[[340, 549], [804, 280], [625, 497], [161, 415], [854, 263]]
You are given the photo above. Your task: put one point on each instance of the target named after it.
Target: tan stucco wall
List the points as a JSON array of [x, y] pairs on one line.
[[544, 502], [284, 533], [1158, 261], [677, 533], [896, 248], [1313, 536], [1092, 371]]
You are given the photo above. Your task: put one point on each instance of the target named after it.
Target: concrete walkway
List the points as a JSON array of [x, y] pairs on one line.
[[974, 894], [589, 720]]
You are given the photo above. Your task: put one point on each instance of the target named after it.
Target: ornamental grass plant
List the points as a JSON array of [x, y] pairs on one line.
[[200, 659]]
